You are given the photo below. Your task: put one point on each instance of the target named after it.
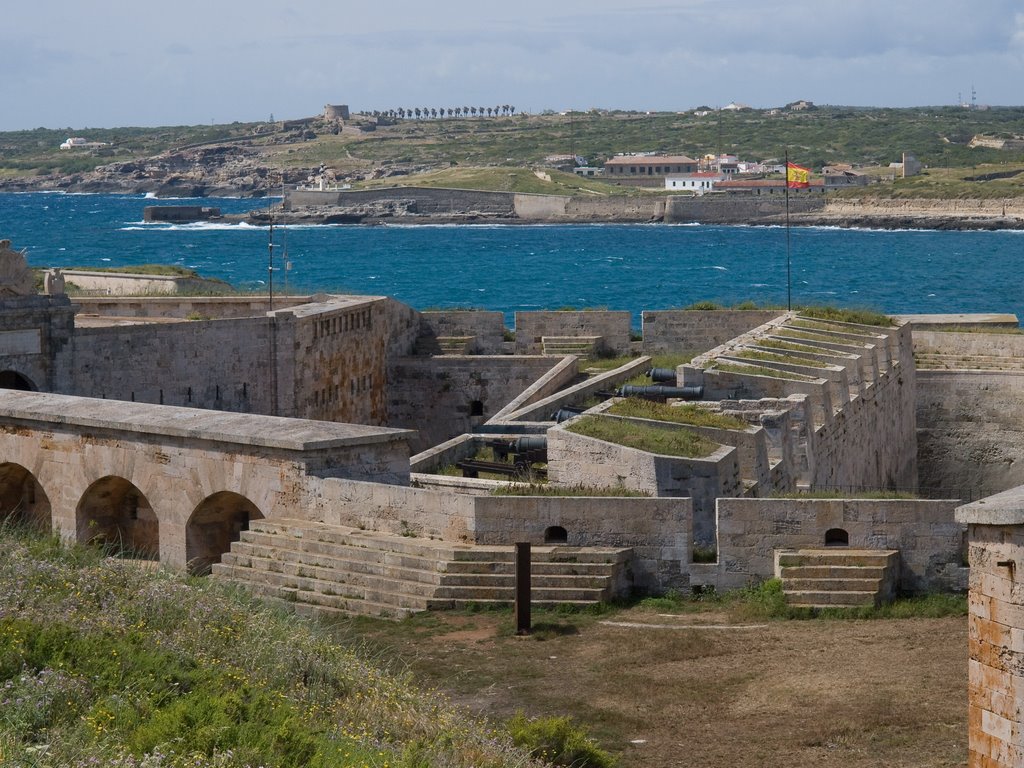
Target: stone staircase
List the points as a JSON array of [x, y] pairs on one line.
[[444, 345], [583, 346], [322, 570], [837, 577]]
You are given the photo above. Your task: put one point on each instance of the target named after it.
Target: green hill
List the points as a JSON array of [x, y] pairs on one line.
[[104, 663]]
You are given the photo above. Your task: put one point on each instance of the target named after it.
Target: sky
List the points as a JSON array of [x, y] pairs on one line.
[[109, 63]]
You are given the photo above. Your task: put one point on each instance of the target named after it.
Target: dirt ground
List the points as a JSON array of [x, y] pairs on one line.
[[706, 690]]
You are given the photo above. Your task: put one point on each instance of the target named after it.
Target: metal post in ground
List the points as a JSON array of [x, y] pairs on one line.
[[522, 604]]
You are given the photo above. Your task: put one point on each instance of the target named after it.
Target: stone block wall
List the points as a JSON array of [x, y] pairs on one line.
[[441, 397], [668, 331], [425, 199], [201, 307], [36, 340], [736, 208], [222, 365], [612, 327], [577, 460], [1009, 345], [930, 541], [995, 720], [658, 530], [970, 431], [487, 328]]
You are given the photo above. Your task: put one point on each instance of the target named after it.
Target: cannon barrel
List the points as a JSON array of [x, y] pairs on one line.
[[661, 392], [661, 375], [531, 443], [565, 413]]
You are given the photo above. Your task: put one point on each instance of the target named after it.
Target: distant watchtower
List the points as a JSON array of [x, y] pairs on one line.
[[336, 112]]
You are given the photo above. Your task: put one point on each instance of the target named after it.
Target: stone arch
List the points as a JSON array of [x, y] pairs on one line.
[[22, 498], [217, 521], [115, 513], [13, 380], [837, 537], [555, 534]]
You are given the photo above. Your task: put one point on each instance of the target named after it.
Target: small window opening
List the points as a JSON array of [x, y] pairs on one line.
[[476, 408], [555, 534], [837, 537]]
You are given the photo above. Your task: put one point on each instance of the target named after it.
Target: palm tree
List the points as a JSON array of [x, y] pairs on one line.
[[512, 110]]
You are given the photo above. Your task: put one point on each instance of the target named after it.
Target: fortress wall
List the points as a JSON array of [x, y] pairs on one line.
[[658, 530], [620, 207], [206, 308], [488, 328], [223, 365], [36, 340], [121, 284], [428, 200], [970, 431], [338, 351], [668, 331], [577, 460], [736, 208], [437, 395], [613, 327], [541, 207], [967, 344], [871, 443], [930, 541], [393, 509]]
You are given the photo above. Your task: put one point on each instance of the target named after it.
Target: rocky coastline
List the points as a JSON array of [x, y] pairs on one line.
[[235, 171]]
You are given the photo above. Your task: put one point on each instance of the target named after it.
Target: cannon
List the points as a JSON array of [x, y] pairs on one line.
[[661, 375], [661, 392]]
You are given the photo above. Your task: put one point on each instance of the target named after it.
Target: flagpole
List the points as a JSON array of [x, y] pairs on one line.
[[789, 261]]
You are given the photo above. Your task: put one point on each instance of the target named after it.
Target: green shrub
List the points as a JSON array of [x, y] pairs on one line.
[[557, 741], [667, 442]]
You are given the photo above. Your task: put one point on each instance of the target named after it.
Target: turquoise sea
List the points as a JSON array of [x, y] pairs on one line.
[[509, 267]]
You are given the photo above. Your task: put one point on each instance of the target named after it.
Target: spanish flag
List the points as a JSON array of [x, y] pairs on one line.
[[797, 177]]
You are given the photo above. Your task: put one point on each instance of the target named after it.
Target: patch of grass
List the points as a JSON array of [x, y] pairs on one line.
[[166, 270], [859, 316], [687, 413], [535, 489], [675, 442], [997, 329], [605, 364], [791, 347], [558, 741], [757, 370], [753, 354], [826, 493], [703, 306]]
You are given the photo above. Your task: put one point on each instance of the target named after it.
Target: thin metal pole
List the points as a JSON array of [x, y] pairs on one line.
[[789, 259], [270, 265]]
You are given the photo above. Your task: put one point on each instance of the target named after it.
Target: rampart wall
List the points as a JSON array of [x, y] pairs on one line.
[[425, 200], [735, 208], [36, 335], [970, 431], [199, 307], [486, 328], [930, 541], [613, 328], [666, 331]]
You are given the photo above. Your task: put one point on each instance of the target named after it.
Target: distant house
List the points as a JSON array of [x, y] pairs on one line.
[[647, 170], [735, 107], [587, 170], [564, 162], [724, 164], [77, 142], [836, 176], [698, 183]]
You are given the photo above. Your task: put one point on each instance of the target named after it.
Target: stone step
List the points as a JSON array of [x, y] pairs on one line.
[[833, 571], [426, 548], [829, 599], [355, 560], [831, 585], [289, 598], [838, 556], [537, 568]]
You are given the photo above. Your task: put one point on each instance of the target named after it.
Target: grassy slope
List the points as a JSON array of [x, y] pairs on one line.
[[102, 663]]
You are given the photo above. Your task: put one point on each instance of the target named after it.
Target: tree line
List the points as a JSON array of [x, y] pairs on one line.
[[436, 112]]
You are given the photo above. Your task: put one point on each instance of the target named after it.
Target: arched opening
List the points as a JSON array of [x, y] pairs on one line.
[[837, 537], [14, 380], [114, 513], [215, 523], [22, 499], [555, 534]]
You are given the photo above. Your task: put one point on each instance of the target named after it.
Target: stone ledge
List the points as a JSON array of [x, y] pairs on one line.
[[1006, 508], [193, 423]]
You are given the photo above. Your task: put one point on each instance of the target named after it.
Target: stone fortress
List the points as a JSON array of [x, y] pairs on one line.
[[305, 449]]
